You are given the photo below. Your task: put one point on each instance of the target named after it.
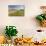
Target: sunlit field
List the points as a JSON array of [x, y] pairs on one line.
[[16, 10]]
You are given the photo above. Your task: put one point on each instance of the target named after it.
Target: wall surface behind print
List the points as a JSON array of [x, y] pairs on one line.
[[26, 25]]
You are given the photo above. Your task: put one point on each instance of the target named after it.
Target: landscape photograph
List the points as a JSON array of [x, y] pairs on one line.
[[15, 10]]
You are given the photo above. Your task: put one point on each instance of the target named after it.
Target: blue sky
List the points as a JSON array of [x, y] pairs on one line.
[[16, 6]]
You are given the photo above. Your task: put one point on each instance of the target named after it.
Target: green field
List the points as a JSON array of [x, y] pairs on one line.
[[17, 13]]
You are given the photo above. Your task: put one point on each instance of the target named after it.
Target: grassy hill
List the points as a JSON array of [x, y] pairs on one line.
[[17, 13]]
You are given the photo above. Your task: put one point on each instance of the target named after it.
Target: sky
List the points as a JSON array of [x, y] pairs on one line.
[[16, 6]]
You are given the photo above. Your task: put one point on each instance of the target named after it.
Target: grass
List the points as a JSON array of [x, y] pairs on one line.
[[17, 13]]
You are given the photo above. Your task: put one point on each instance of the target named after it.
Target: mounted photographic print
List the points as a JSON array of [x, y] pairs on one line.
[[15, 10]]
